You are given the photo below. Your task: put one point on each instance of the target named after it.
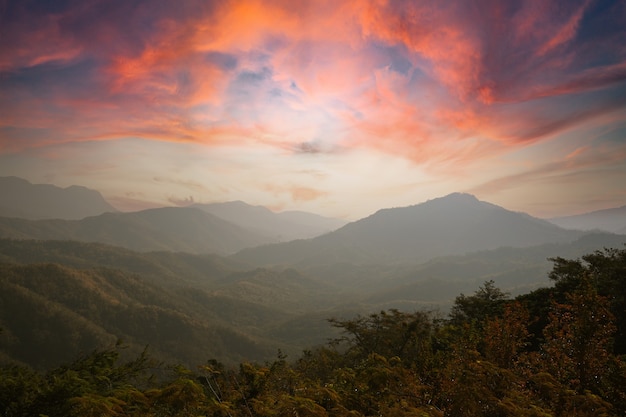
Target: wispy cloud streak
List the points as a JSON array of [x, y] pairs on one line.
[[441, 84]]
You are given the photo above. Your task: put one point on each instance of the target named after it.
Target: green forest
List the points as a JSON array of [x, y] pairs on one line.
[[555, 351]]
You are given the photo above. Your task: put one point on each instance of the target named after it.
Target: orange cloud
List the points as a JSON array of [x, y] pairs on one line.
[[282, 74], [305, 194], [442, 44], [297, 193]]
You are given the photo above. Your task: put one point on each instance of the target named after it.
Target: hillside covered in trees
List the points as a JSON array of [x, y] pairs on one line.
[[556, 351]]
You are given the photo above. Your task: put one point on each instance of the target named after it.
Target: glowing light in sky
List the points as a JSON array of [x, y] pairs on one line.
[[340, 108]]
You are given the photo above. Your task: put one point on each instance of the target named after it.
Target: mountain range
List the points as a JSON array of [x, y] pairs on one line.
[[283, 226], [219, 280], [450, 225], [44, 211], [178, 229], [157, 229]]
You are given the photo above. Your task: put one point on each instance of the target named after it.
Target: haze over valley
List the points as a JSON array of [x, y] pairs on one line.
[[224, 275]]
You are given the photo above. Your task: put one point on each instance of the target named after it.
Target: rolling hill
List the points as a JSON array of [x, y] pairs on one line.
[[51, 313], [22, 199], [74, 297]]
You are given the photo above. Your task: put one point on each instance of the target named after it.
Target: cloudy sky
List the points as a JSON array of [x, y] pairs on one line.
[[334, 107]]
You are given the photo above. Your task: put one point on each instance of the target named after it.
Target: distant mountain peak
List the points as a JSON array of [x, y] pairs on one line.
[[456, 197], [229, 206], [23, 199], [288, 225], [610, 220], [460, 195], [454, 224]]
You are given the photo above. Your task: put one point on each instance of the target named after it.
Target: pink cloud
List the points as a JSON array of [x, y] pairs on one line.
[[310, 72], [43, 42], [566, 31], [442, 43]]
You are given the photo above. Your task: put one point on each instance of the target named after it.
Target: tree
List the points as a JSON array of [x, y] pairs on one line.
[[487, 301], [505, 337], [578, 337], [607, 271], [392, 333], [385, 364]]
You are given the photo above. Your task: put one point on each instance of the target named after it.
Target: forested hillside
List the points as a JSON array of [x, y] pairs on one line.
[[82, 296], [51, 313], [557, 351]]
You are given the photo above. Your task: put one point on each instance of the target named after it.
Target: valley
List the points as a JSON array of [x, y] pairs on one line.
[[195, 286], [218, 285]]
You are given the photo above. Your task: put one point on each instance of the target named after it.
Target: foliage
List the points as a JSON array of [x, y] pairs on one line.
[[486, 302], [478, 362], [72, 311], [579, 338]]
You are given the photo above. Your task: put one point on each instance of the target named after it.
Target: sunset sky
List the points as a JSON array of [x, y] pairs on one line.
[[334, 107]]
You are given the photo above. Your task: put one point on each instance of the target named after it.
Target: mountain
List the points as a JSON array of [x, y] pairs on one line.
[[285, 226], [176, 229], [22, 199], [610, 220], [451, 225]]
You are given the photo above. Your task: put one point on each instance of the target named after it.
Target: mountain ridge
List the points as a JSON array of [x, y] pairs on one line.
[[453, 224], [609, 220], [22, 199], [282, 226], [178, 229]]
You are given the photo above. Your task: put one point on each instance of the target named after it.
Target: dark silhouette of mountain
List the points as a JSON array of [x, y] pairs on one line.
[[285, 226], [455, 224], [176, 229], [22, 199], [610, 220]]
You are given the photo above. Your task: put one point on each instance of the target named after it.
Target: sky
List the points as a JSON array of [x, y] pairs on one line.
[[339, 108]]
